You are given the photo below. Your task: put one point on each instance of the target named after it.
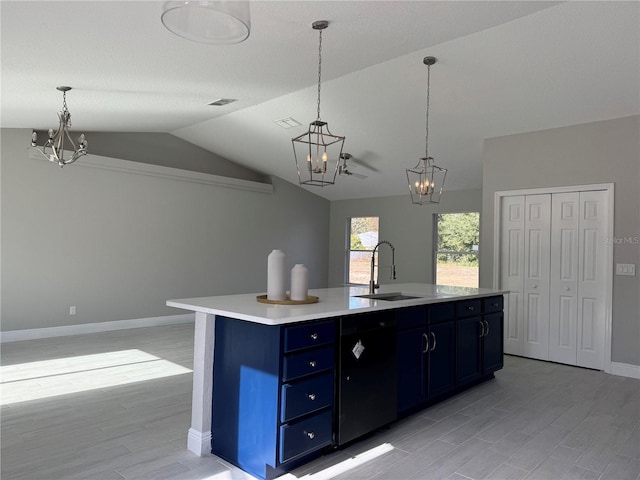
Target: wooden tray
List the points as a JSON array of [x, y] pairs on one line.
[[287, 301]]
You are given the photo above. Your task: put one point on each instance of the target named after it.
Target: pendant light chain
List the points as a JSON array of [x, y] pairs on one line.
[[64, 101], [426, 152], [319, 70]]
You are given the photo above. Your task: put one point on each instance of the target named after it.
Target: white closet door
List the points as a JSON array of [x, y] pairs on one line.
[[592, 279], [537, 246], [563, 312], [512, 271]]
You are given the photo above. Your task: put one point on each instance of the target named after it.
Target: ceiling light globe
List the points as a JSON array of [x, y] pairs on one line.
[[207, 21]]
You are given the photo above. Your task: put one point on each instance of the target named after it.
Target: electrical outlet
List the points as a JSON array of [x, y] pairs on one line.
[[626, 269], [72, 310]]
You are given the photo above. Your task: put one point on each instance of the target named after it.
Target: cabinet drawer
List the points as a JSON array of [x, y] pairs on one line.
[[493, 304], [411, 317], [305, 436], [307, 362], [308, 335], [306, 396], [467, 308], [441, 312]]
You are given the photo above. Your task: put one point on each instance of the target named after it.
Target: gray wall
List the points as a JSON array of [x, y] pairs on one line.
[[118, 245], [408, 227], [599, 152]]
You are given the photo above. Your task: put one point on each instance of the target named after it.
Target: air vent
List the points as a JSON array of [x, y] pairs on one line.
[[288, 122], [223, 101]]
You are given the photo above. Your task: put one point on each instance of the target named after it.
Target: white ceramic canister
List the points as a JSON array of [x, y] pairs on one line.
[[276, 276], [299, 282]]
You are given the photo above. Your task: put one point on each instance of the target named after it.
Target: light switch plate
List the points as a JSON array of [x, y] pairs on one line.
[[626, 269]]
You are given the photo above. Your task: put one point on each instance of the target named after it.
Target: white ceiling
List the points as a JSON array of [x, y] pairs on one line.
[[503, 68]]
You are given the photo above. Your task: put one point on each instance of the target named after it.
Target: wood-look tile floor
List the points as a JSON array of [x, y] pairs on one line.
[[535, 420]]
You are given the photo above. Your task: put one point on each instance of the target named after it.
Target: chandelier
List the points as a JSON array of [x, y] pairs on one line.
[[426, 179], [216, 22], [53, 149], [319, 147]]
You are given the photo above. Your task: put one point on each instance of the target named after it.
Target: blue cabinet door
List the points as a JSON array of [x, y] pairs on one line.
[[441, 359], [468, 346], [493, 343], [411, 368]]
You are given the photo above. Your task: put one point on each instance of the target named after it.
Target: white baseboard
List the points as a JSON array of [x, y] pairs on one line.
[[199, 442], [625, 370], [63, 331]]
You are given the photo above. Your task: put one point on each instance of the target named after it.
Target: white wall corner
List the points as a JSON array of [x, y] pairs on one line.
[[625, 370], [66, 330]]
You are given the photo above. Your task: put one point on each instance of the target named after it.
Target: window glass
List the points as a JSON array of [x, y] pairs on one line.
[[457, 249], [362, 237]]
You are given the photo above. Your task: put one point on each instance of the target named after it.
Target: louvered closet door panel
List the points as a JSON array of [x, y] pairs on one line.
[[512, 271], [563, 311], [537, 259], [592, 279]]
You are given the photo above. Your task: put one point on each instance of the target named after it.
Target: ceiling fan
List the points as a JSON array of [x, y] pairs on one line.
[[343, 169]]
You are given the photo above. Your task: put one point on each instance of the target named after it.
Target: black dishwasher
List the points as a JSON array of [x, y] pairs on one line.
[[367, 374]]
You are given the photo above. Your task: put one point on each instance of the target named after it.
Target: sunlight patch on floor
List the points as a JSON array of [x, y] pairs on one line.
[[62, 376], [344, 466]]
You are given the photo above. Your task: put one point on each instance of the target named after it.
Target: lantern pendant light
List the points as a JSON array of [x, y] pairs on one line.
[[319, 148], [426, 179]]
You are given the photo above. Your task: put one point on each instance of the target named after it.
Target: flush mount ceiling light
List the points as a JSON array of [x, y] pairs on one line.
[[53, 149], [208, 21], [426, 179], [318, 146]]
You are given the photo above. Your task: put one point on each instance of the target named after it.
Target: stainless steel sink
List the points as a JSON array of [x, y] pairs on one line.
[[389, 297]]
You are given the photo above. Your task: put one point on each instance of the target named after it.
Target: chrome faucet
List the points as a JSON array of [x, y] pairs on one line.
[[373, 284]]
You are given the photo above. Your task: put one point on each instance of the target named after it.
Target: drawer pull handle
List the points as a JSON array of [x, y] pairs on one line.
[[312, 396], [470, 307], [495, 305], [311, 435], [312, 363], [314, 336]]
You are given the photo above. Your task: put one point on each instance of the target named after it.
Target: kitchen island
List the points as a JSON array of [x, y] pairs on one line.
[[285, 375]]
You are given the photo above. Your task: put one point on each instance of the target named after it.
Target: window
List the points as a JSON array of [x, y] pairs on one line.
[[362, 237], [457, 237]]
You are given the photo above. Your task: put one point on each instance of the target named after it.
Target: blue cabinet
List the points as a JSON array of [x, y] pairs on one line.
[[273, 394], [479, 338], [426, 354], [279, 399]]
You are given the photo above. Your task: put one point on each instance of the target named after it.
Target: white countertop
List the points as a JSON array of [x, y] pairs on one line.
[[332, 302]]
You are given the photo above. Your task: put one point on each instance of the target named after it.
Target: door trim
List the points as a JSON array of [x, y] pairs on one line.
[[610, 189]]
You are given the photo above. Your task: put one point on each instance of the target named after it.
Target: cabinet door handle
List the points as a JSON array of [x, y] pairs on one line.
[[426, 339], [312, 363], [495, 305], [433, 335], [481, 329], [314, 336], [470, 308], [487, 328], [311, 435], [312, 396]]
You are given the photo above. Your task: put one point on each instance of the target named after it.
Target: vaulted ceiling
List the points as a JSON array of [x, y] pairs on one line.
[[503, 68]]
